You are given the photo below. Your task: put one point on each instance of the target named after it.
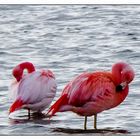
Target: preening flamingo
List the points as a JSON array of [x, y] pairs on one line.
[[33, 91], [93, 92]]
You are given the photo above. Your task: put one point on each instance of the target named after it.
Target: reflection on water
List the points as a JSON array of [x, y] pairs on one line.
[[41, 119], [35, 120], [110, 131], [26, 118]]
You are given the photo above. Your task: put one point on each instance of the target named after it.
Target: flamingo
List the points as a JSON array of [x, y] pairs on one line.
[[93, 92], [33, 91]]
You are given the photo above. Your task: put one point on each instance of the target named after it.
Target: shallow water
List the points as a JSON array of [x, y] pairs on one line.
[[70, 39]]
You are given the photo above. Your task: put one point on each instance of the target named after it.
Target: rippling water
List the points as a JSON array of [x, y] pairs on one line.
[[69, 39]]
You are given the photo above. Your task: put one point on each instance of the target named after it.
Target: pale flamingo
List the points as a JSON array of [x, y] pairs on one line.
[[91, 93], [33, 91]]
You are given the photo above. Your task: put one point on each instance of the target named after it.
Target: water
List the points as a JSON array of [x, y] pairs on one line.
[[70, 39]]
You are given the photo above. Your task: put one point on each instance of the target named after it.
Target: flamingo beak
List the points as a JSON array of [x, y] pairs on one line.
[[18, 79], [123, 84]]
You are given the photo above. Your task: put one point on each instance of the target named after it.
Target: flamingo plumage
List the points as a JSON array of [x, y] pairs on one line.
[[34, 90], [93, 92]]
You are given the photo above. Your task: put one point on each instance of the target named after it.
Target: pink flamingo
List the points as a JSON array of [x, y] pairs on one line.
[[92, 93], [33, 91]]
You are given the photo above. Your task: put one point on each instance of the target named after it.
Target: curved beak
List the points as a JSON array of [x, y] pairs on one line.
[[121, 86]]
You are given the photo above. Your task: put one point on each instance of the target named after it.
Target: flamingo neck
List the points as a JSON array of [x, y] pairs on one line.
[[27, 65], [116, 72], [18, 70]]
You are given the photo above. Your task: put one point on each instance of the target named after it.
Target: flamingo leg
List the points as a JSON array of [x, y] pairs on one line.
[[85, 123], [29, 113], [95, 121]]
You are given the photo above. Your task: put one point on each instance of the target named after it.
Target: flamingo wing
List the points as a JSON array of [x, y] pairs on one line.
[[87, 94], [35, 87], [91, 87]]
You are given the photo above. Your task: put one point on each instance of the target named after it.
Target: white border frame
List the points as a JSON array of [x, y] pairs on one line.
[[69, 1]]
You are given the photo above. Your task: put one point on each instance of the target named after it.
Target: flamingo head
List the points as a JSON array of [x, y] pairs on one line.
[[18, 70], [123, 74], [127, 74], [17, 73]]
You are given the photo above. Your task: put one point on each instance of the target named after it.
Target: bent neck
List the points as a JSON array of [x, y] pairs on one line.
[[18, 70], [27, 65], [116, 72]]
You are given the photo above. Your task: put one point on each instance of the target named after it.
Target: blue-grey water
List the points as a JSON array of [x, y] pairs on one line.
[[70, 39]]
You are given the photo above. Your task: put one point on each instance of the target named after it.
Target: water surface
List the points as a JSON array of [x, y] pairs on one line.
[[70, 39]]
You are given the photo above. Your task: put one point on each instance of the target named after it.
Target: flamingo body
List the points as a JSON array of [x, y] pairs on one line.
[[34, 91], [90, 93]]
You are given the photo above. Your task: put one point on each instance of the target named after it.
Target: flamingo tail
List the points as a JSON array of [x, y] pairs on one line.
[[63, 100], [16, 105]]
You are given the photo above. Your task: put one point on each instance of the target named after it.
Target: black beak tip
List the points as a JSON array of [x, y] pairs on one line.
[[119, 88]]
